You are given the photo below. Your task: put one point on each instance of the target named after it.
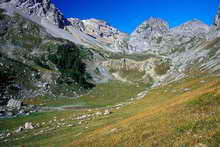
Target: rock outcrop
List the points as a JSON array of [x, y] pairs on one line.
[[100, 30], [41, 8], [148, 33], [154, 36]]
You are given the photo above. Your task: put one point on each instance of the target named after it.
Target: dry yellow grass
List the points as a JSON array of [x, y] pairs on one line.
[[131, 130], [168, 116]]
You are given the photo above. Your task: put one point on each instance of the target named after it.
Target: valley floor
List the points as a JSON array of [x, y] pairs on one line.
[[183, 113]]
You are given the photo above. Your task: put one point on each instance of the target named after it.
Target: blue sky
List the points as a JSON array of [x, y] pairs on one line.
[[126, 15]]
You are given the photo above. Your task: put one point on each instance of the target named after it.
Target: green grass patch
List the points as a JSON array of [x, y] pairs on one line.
[[205, 100]]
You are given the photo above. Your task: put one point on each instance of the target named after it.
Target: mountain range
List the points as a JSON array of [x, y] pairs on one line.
[[36, 40], [71, 82]]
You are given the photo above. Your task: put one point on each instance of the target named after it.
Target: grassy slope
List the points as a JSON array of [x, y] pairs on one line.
[[167, 116], [106, 94]]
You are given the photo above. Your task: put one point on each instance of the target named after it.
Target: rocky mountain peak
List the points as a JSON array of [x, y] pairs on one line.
[[97, 21], [98, 29], [194, 27], [153, 25], [77, 23], [217, 18], [147, 33], [41, 8], [102, 30]]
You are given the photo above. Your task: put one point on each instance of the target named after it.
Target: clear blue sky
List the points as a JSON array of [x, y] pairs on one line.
[[126, 15]]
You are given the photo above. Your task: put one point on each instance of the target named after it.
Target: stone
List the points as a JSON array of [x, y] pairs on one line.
[[27, 113], [8, 134], [21, 111], [2, 109], [200, 145], [98, 113], [28, 125], [117, 108], [113, 130], [19, 129], [37, 125], [70, 125], [9, 113], [107, 112], [186, 89], [81, 117], [14, 104]]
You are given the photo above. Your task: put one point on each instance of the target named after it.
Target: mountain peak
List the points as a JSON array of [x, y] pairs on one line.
[[41, 8], [192, 26], [153, 24], [217, 17], [97, 21]]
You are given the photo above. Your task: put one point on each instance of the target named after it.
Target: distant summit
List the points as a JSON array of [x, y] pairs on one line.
[[217, 17]]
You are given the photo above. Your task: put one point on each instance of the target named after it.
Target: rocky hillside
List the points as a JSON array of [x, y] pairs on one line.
[[192, 46], [154, 50], [44, 13], [34, 63], [42, 8], [147, 34]]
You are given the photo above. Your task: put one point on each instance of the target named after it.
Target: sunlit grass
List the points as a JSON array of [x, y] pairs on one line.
[[184, 113]]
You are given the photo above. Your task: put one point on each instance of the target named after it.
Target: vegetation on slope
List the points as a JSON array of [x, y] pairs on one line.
[[184, 113], [42, 62]]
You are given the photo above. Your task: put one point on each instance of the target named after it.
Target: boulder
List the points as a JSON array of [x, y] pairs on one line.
[[9, 114], [14, 104], [107, 112], [98, 113], [19, 130], [28, 125]]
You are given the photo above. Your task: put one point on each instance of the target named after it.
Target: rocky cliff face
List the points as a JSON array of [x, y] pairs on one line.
[[148, 33], [100, 30], [41, 8], [183, 37], [44, 13], [154, 36]]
